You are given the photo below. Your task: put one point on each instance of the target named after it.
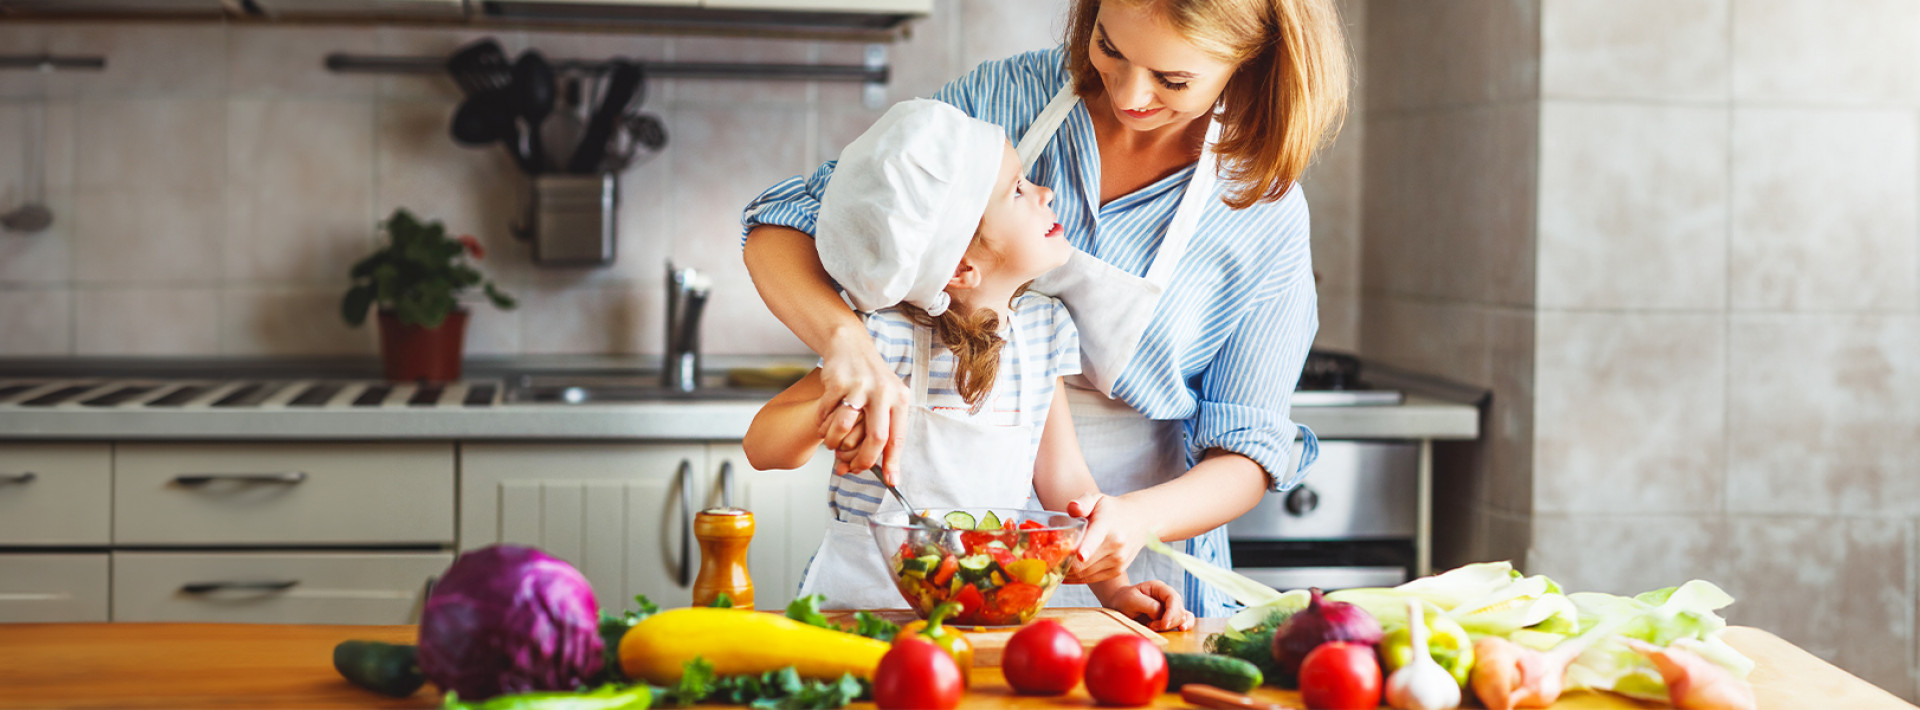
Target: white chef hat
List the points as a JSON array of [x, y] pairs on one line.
[[904, 203]]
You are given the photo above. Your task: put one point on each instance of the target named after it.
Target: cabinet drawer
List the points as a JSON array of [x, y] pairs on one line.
[[273, 588], [260, 494], [58, 494], [53, 588]]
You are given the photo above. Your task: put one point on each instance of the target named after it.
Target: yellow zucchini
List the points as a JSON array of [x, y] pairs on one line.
[[741, 642]]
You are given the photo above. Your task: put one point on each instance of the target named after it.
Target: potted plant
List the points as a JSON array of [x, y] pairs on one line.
[[416, 279]]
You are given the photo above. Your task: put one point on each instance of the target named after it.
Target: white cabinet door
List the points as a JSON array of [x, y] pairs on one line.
[[621, 513], [789, 517], [56, 494], [52, 587]]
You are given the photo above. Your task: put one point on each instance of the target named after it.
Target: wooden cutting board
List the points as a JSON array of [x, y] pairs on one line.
[[1090, 625]]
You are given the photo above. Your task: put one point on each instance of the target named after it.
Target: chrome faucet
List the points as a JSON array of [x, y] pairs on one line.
[[687, 291]]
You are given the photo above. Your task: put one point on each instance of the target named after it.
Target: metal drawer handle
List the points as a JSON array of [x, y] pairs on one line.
[[259, 586], [26, 477], [686, 523], [201, 479], [726, 483]]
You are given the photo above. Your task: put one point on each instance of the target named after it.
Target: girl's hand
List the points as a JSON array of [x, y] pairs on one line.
[[857, 380], [1115, 533], [1155, 601]]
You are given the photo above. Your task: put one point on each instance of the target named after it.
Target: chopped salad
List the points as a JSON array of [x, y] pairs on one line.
[[1000, 576]]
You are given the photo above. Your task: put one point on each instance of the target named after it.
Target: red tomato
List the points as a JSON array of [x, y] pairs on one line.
[[916, 674], [1340, 675], [969, 599], [1043, 659], [1126, 670], [944, 573]]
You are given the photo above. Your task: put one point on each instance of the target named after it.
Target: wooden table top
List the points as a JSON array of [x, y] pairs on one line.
[[270, 666]]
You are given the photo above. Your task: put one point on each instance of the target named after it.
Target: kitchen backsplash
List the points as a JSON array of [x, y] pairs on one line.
[[212, 186]]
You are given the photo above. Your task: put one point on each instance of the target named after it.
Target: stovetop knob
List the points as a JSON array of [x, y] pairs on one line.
[[1302, 501]]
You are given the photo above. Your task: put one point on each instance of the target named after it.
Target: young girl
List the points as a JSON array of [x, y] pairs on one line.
[[932, 232]]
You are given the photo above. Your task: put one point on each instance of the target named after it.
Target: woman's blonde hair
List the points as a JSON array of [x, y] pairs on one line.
[[1288, 94]]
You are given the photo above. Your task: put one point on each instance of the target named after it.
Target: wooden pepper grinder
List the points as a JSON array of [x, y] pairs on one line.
[[723, 534]]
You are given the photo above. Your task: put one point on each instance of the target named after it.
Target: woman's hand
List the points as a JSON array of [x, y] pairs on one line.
[[1155, 601], [863, 410], [1116, 530]]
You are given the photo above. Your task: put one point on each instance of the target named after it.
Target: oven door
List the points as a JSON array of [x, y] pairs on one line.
[[1352, 523]]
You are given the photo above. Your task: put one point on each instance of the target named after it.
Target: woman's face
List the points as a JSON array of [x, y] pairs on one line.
[[1018, 227], [1154, 78]]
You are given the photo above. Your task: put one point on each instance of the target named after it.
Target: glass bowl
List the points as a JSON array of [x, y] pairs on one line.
[[1001, 572]]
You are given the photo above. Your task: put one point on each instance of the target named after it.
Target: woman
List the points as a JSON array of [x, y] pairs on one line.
[[1172, 133]]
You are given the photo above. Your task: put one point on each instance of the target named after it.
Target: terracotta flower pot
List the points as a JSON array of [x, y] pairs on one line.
[[411, 352]]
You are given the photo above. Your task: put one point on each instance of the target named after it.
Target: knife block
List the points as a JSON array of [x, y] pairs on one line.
[[571, 219]]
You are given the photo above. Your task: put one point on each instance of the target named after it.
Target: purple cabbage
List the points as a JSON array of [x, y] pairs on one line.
[[510, 619]]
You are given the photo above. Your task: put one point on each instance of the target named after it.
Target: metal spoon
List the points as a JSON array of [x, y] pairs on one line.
[[33, 215], [913, 513]]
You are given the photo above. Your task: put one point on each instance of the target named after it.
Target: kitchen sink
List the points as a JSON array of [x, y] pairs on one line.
[[622, 389]]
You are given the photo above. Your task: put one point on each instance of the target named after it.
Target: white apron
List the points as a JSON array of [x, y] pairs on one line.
[[977, 465], [1125, 450]]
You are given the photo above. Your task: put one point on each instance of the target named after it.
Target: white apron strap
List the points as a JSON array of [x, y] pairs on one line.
[[1041, 132]]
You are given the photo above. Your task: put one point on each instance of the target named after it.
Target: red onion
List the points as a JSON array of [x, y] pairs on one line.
[[1320, 622]]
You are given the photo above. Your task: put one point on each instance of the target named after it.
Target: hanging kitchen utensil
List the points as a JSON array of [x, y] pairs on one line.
[[638, 139], [32, 215], [480, 66], [560, 133], [533, 100], [487, 117], [624, 83]]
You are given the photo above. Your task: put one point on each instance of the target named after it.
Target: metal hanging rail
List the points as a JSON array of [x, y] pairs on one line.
[[48, 62], [875, 71]]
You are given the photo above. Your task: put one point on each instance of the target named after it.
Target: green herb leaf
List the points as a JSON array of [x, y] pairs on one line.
[[874, 627], [613, 628], [605, 697], [722, 601], [806, 610]]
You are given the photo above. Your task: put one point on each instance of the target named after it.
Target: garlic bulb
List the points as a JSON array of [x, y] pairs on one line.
[[1421, 684]]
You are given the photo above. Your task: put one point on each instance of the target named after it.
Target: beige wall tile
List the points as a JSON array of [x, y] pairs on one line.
[[714, 184], [1332, 189], [478, 191], [146, 322], [18, 144], [1629, 413], [997, 29], [1456, 224], [1824, 210], [1339, 323], [1447, 54], [1821, 415], [37, 322], [1642, 49], [599, 321], [151, 143], [300, 189], [152, 236], [1627, 554], [491, 331], [1805, 50], [1507, 537], [1443, 339], [290, 60], [741, 91], [146, 59], [1508, 422], [840, 125], [1633, 206], [294, 321], [44, 257], [1825, 584]]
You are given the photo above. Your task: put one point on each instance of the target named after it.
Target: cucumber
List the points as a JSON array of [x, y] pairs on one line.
[[990, 522], [960, 520], [919, 565], [1208, 669], [974, 567], [385, 668]]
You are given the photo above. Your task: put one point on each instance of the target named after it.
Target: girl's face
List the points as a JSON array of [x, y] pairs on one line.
[[1018, 228], [1153, 77]]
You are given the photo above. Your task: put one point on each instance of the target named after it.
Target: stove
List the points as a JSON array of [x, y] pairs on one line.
[[1355, 521]]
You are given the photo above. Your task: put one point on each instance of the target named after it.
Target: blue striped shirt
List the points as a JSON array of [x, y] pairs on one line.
[[1227, 340]]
